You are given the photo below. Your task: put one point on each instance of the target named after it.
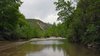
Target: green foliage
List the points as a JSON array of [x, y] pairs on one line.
[[9, 17], [13, 24], [9, 14], [80, 24], [54, 30]]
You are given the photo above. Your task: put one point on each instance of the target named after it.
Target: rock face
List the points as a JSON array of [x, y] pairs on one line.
[[38, 24]]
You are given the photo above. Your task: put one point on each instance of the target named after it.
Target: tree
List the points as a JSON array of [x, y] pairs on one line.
[[9, 17], [65, 9], [81, 24]]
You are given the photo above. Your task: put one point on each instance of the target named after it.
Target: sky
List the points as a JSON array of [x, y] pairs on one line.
[[44, 10]]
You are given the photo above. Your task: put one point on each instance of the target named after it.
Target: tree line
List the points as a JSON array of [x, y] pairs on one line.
[[81, 21], [14, 25]]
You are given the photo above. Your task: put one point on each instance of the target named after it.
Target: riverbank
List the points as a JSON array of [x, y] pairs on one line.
[[49, 48], [4, 45], [51, 38]]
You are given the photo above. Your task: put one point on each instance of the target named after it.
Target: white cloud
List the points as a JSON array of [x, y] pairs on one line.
[[41, 9], [51, 18]]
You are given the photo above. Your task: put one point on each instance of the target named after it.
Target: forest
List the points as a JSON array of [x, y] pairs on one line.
[[80, 22]]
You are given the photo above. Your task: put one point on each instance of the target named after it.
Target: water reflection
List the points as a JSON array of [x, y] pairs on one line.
[[48, 51], [49, 48]]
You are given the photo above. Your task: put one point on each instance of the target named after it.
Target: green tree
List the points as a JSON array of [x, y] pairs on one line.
[[65, 9], [9, 17], [81, 24]]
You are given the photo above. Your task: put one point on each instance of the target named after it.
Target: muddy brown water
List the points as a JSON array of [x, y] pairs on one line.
[[49, 48]]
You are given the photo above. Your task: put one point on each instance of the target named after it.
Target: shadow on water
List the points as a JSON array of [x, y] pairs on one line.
[[49, 48]]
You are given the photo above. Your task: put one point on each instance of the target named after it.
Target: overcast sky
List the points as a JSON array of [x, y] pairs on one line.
[[40, 9]]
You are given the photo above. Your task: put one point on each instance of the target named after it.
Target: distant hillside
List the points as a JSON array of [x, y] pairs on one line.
[[35, 23]]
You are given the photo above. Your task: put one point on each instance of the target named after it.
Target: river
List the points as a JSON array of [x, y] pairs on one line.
[[49, 48]]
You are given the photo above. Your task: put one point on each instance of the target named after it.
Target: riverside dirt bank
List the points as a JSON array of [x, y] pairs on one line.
[[4, 45]]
